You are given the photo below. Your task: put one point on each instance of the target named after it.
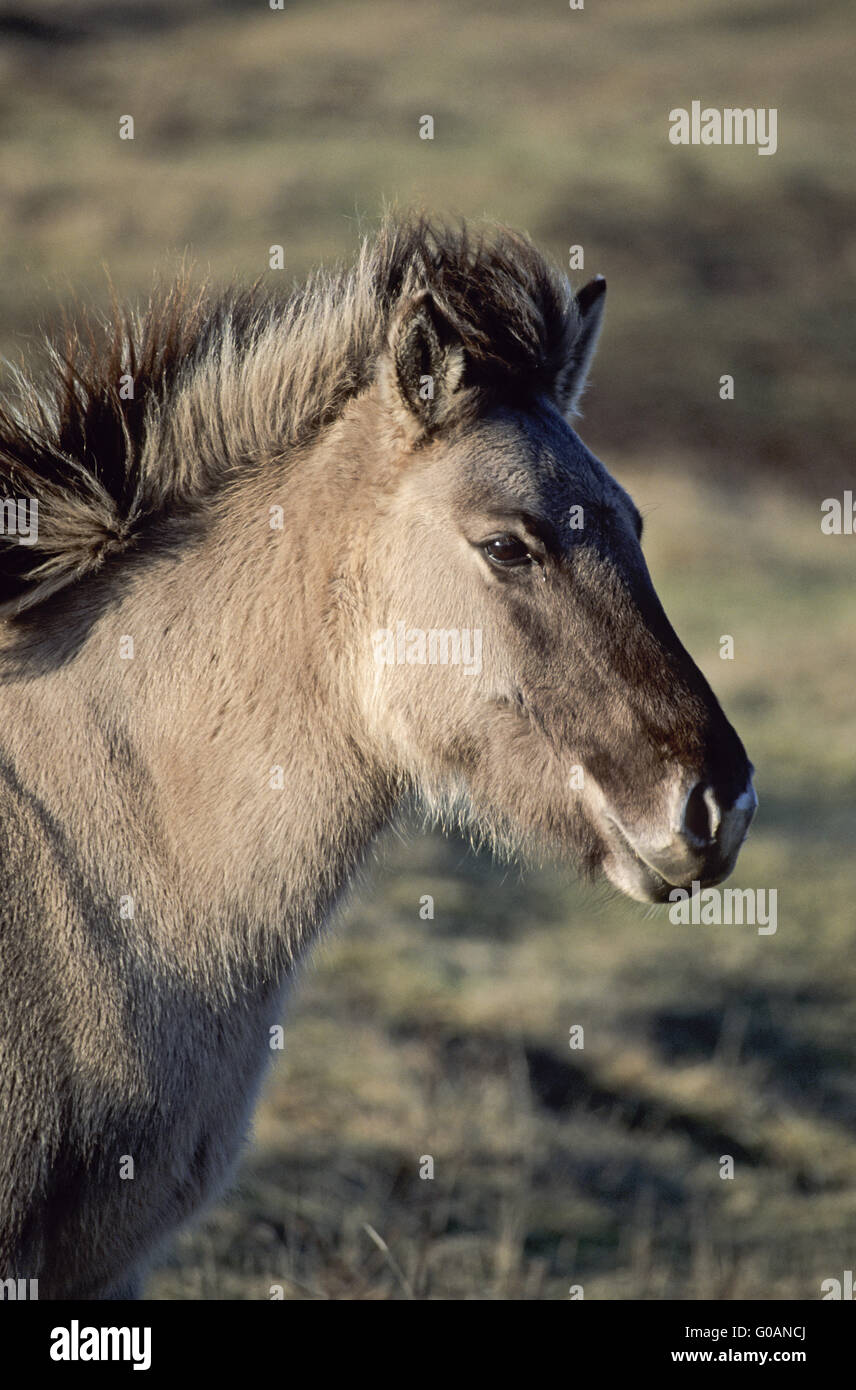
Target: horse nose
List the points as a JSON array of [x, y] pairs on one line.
[[700, 817], [707, 819], [701, 837]]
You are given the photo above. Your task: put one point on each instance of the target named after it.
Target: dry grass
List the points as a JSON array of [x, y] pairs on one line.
[[255, 127], [449, 1038]]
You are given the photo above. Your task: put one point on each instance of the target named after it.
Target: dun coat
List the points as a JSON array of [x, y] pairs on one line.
[[227, 500]]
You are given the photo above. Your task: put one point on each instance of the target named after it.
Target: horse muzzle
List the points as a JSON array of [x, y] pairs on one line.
[[699, 844]]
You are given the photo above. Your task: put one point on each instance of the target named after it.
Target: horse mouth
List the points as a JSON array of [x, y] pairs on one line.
[[636, 879], [626, 868]]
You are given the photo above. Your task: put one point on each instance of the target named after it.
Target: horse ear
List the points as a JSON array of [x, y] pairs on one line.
[[590, 302], [425, 362]]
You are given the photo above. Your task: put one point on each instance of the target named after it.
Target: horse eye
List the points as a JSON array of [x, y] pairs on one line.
[[507, 551]]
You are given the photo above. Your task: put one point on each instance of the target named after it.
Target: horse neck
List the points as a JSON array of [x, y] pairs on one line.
[[244, 763]]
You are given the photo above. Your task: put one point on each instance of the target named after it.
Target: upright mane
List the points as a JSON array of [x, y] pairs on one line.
[[147, 412]]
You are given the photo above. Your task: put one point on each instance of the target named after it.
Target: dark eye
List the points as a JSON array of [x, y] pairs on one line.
[[507, 551]]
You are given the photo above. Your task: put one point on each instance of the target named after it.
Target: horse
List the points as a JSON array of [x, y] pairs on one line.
[[294, 561]]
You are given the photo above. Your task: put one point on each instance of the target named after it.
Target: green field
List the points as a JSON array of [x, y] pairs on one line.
[[449, 1038]]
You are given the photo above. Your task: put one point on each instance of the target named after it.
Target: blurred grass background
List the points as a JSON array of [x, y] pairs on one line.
[[449, 1037]]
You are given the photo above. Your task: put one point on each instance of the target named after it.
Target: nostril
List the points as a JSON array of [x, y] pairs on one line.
[[701, 814], [714, 810]]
